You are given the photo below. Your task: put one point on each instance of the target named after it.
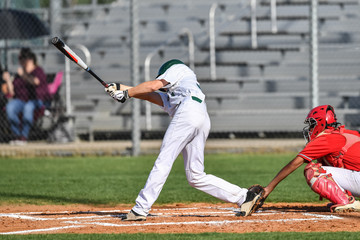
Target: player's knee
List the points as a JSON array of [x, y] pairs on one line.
[[323, 184], [194, 179], [312, 171]]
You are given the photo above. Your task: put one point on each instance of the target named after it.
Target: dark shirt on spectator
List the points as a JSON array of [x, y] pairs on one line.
[[26, 91]]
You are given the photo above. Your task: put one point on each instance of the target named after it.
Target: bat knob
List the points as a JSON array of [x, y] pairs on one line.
[[54, 40]]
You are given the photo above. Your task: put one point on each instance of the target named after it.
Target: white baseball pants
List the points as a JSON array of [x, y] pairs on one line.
[[345, 178], [186, 134]]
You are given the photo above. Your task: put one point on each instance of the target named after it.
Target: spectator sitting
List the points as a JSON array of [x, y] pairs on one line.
[[4, 88], [28, 92], [4, 128]]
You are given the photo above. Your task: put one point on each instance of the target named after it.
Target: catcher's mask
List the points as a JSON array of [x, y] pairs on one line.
[[319, 119]]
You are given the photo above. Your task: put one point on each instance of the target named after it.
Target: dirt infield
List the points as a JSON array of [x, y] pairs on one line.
[[177, 218]]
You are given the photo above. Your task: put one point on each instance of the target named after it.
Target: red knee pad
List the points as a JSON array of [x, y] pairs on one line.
[[323, 184], [313, 170]]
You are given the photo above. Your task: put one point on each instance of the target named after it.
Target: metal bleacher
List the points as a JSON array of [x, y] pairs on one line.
[[263, 89]]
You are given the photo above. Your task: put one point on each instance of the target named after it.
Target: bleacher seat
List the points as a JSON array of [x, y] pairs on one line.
[[251, 85]]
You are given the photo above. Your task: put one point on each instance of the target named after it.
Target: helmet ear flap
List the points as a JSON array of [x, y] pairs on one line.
[[330, 116]]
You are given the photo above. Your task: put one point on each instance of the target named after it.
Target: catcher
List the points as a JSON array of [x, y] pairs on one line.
[[181, 97], [336, 175]]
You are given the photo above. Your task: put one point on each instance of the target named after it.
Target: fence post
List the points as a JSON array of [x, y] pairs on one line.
[[212, 41], [55, 17], [136, 132], [314, 82], [273, 17], [254, 43]]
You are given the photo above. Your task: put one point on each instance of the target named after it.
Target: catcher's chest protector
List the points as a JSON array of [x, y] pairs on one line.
[[351, 139]]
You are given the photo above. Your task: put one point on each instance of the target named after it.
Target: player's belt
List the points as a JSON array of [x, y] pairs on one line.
[[196, 99]]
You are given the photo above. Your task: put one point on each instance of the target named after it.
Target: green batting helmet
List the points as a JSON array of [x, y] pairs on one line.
[[167, 65]]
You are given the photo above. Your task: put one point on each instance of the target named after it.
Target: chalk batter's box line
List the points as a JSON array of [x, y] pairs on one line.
[[25, 215], [179, 211], [94, 220]]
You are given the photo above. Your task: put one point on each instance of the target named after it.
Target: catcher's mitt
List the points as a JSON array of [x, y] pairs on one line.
[[257, 189]]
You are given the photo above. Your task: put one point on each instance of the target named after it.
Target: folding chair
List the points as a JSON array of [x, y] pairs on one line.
[[57, 130], [47, 118]]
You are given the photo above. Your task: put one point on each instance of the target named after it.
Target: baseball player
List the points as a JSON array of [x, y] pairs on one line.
[[181, 97], [336, 175]]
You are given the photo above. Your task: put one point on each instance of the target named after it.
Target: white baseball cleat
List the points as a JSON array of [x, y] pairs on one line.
[[252, 202], [351, 207], [133, 216]]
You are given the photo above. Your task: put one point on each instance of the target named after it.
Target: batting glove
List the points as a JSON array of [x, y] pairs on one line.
[[112, 87], [119, 96]]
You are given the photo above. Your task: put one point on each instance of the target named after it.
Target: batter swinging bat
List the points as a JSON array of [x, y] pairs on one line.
[[59, 44]]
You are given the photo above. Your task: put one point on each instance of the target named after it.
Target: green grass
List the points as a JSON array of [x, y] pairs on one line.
[[114, 180]]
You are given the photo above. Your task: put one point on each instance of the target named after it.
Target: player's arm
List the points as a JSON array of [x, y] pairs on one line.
[[144, 91], [9, 84], [146, 87], [283, 173]]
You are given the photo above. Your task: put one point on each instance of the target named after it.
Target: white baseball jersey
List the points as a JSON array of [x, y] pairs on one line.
[[182, 84]]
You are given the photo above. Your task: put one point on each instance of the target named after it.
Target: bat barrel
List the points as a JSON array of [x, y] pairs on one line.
[[59, 44]]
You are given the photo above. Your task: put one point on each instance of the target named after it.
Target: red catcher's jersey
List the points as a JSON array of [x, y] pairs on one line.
[[328, 147]]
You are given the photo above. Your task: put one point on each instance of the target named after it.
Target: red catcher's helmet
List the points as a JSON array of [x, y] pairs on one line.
[[319, 119]]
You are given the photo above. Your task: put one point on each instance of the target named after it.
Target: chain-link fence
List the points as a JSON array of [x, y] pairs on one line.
[[251, 58]]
